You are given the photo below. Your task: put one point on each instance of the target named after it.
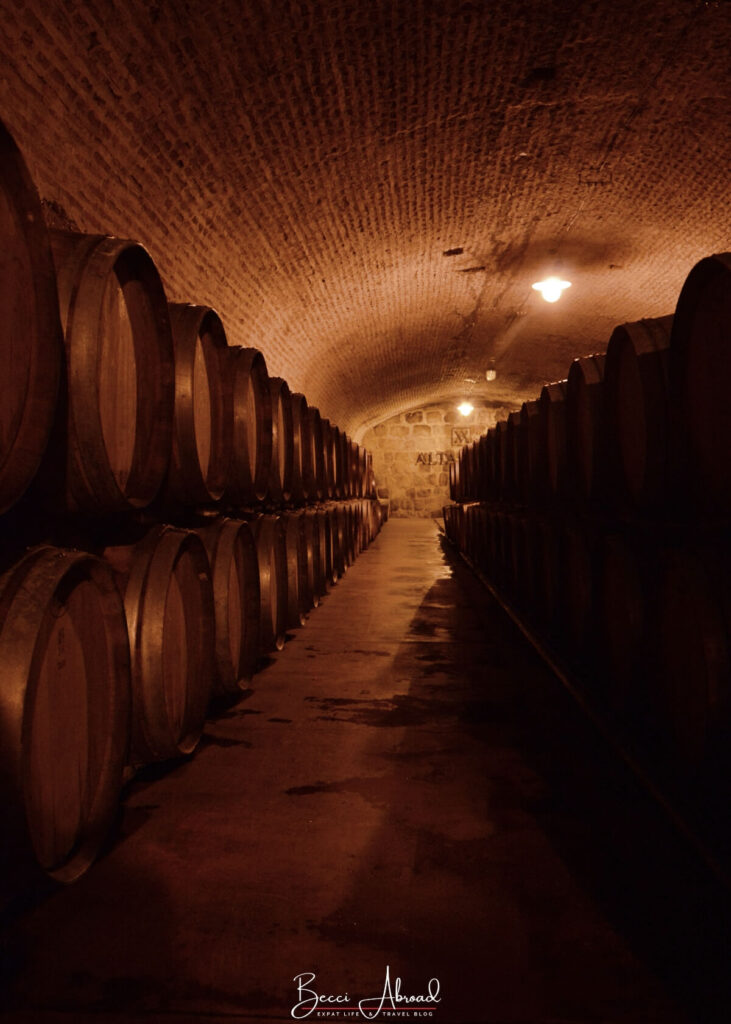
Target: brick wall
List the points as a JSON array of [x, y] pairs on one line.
[[412, 452]]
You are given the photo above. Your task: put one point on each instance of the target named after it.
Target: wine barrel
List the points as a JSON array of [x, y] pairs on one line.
[[119, 356], [534, 484], [514, 453], [347, 515], [501, 455], [482, 539], [316, 482], [465, 474], [302, 473], [328, 451], [251, 455], [518, 553], [626, 581], [298, 595], [351, 485], [271, 547], [280, 476], [548, 575], [493, 464], [325, 548], [315, 577], [700, 367], [32, 342], [693, 685], [168, 600], [338, 468], [579, 572], [552, 402], [363, 467], [356, 484], [203, 415], [334, 553], [636, 390], [585, 442], [454, 490], [232, 554], [65, 709], [337, 527]]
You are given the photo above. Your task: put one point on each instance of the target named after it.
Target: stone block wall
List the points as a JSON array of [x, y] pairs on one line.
[[412, 452]]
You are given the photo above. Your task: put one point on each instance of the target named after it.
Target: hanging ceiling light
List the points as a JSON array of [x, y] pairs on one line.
[[465, 408], [551, 288]]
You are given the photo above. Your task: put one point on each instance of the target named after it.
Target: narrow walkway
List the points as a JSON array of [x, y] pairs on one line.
[[405, 786]]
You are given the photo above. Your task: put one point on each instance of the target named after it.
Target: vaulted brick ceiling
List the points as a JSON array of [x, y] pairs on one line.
[[366, 189]]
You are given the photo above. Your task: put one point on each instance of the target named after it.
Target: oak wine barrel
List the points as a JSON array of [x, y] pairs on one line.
[[338, 467], [280, 476], [251, 442], [585, 437], [579, 585], [315, 575], [298, 595], [120, 371], [64, 707], [500, 458], [232, 554], [493, 464], [454, 485], [534, 464], [31, 344], [692, 688], [302, 472], [203, 415], [514, 454], [328, 542], [168, 600], [700, 367], [552, 402], [328, 455], [271, 547], [637, 411], [626, 583], [316, 480]]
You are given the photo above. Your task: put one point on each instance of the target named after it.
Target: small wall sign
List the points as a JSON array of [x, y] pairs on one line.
[[434, 458], [462, 435]]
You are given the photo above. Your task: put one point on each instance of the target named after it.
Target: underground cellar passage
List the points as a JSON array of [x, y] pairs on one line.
[[365, 484]]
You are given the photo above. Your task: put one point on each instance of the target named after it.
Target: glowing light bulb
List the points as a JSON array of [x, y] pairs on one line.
[[465, 408], [490, 374], [551, 288]]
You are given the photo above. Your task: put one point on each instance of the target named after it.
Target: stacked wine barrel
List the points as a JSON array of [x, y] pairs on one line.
[[600, 512], [168, 513]]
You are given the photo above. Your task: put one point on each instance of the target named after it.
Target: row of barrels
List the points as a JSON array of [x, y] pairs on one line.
[[644, 618], [111, 657], [113, 398], [644, 428]]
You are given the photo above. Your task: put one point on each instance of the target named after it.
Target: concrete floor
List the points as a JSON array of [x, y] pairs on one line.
[[406, 786]]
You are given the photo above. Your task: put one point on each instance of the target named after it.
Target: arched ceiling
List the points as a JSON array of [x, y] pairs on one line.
[[366, 189]]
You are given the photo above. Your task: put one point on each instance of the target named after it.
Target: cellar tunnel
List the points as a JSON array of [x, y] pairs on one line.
[[364, 612]]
